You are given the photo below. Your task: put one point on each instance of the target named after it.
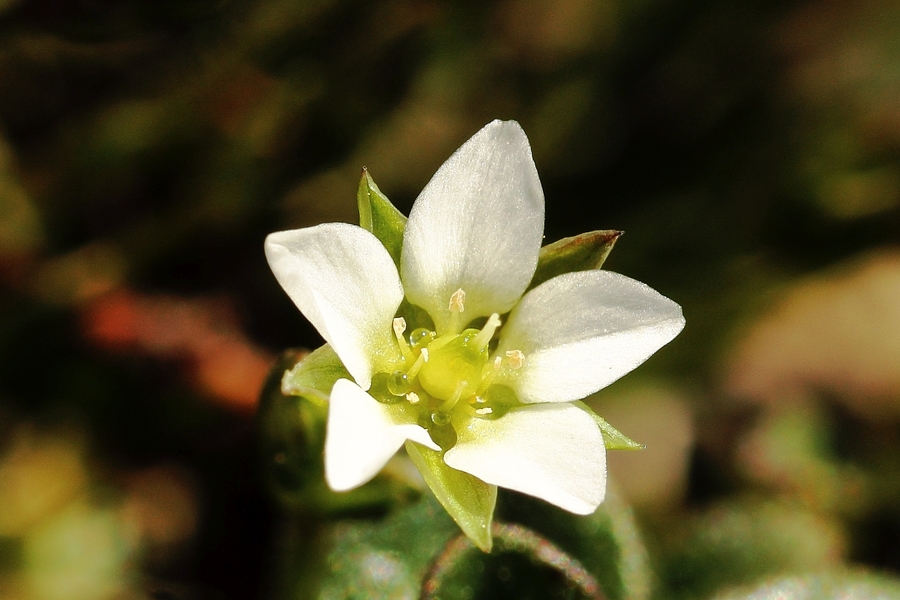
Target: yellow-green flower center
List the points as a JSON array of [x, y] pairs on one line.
[[448, 377]]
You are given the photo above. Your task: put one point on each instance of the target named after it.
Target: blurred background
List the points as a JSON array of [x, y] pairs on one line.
[[749, 150]]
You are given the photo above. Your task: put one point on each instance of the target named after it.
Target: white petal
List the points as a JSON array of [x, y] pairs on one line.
[[477, 225], [362, 435], [582, 331], [552, 451], [344, 281]]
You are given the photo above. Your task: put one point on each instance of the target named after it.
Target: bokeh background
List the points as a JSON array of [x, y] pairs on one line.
[[749, 150]]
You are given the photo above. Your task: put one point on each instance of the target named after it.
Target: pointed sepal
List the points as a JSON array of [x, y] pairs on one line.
[[613, 439], [314, 376], [469, 500], [379, 216], [292, 427], [579, 253]]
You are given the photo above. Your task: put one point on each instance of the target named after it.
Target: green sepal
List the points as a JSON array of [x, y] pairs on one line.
[[314, 376], [469, 500], [292, 417], [378, 215], [613, 439], [579, 253]]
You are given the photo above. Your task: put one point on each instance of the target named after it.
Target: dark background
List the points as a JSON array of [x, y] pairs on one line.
[[749, 150]]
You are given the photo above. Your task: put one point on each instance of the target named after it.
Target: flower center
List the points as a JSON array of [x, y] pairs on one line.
[[456, 363], [438, 372]]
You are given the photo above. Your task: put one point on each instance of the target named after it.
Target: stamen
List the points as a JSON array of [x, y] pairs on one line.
[[456, 307], [484, 411], [423, 358], [488, 374], [413, 398], [457, 301], [515, 359], [399, 325], [487, 332], [457, 394]]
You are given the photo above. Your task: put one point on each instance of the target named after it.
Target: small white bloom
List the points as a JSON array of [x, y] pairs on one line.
[[499, 409]]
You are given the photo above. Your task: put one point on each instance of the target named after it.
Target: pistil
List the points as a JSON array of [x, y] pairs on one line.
[[441, 370]]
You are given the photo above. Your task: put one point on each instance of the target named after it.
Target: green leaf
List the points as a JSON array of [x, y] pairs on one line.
[[314, 376], [739, 541], [612, 437], [378, 215], [415, 551], [580, 253], [823, 586], [375, 556], [292, 434], [606, 544], [469, 500]]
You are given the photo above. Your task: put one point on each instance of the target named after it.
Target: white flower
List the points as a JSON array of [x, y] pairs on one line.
[[496, 402]]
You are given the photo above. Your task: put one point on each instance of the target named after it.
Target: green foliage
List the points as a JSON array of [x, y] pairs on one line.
[[469, 500], [607, 542], [315, 375], [292, 440], [399, 540], [579, 253], [824, 586], [540, 552], [738, 543], [378, 215], [612, 437]]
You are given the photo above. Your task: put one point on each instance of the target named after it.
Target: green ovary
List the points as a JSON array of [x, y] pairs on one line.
[[454, 369], [444, 376]]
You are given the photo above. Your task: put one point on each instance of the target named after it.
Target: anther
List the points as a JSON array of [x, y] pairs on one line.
[[484, 411], [412, 398], [457, 301], [515, 359], [399, 325]]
